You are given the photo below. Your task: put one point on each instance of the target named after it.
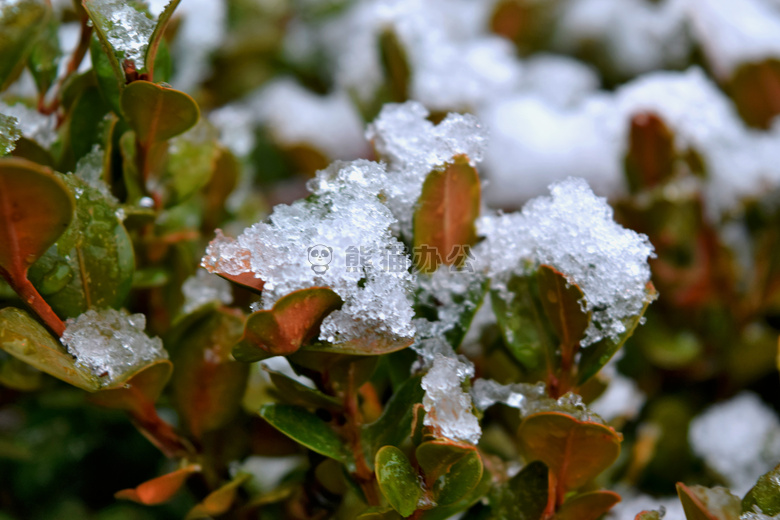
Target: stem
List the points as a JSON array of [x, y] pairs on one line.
[[73, 65], [30, 295], [363, 474]]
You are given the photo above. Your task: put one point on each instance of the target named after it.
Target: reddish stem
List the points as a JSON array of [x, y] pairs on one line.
[[73, 65], [30, 295]]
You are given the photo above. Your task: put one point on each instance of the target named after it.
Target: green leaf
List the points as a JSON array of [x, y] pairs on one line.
[[293, 392], [595, 356], [293, 321], [92, 263], [87, 116], [451, 469], [103, 65], [157, 113], [445, 215], [208, 384], [35, 209], [575, 451], [561, 304], [520, 317], [379, 513], [395, 424], [587, 506], [765, 494], [218, 502], [45, 57], [27, 340], [701, 503], [157, 36], [443, 512], [191, 163], [395, 64], [397, 480], [20, 23], [18, 375], [524, 497], [305, 428]]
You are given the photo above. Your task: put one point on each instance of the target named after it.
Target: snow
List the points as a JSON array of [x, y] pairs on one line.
[[225, 255], [111, 343], [33, 125], [203, 288], [559, 80], [735, 32], [345, 213], [448, 409], [622, 399], [295, 116], [573, 231], [201, 31], [635, 36], [9, 134], [487, 392], [127, 29], [739, 439], [90, 169], [412, 146], [633, 503], [456, 64]]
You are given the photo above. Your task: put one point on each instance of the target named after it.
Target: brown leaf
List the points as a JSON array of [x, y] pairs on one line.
[[575, 451], [445, 215], [294, 320], [160, 489]]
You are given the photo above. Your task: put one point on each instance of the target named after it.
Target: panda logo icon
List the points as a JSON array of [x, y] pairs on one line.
[[319, 258]]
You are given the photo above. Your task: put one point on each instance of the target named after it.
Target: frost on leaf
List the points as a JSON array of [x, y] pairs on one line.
[[739, 439], [128, 30], [9, 134], [32, 124], [90, 169], [202, 288], [111, 343], [365, 265], [447, 406], [412, 146], [573, 231]]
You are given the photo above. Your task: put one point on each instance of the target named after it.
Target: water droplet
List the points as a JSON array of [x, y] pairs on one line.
[[56, 279]]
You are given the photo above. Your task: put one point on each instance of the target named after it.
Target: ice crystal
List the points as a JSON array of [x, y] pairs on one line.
[[90, 169], [448, 408], [365, 264], [111, 343], [203, 288], [127, 29], [9, 134], [739, 439], [574, 232], [32, 123]]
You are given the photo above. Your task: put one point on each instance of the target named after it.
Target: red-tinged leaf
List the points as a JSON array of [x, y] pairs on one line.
[[35, 209], [444, 219], [218, 502], [223, 255], [651, 154], [575, 451], [160, 489], [208, 383], [139, 391], [701, 503], [451, 469], [755, 89], [561, 303], [157, 113], [587, 506], [294, 321], [370, 345]]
